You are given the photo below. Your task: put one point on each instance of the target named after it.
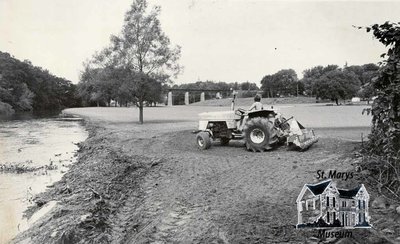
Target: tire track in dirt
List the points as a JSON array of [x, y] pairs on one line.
[[163, 219], [213, 196], [175, 216]]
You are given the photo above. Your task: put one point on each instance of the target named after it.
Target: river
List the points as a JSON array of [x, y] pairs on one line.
[[34, 153]]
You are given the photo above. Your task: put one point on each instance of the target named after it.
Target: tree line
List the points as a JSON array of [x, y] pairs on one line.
[[24, 87], [114, 86], [329, 82], [100, 86]]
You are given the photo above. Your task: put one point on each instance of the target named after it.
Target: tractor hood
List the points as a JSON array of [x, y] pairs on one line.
[[219, 116]]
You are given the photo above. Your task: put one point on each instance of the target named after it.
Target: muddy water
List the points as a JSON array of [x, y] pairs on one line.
[[45, 143]]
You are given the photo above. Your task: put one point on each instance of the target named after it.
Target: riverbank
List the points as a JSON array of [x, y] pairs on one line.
[[149, 183], [34, 153], [95, 189]]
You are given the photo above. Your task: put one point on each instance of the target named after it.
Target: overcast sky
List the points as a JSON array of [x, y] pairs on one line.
[[221, 40]]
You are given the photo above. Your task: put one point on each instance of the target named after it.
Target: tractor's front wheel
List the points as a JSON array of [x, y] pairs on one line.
[[203, 140], [258, 132]]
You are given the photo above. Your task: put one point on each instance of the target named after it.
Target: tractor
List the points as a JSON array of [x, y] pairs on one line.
[[261, 130]]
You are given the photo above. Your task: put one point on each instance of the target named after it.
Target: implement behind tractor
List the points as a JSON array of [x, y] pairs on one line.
[[261, 130]]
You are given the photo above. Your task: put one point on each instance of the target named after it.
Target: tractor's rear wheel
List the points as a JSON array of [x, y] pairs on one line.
[[203, 140], [258, 133], [225, 141]]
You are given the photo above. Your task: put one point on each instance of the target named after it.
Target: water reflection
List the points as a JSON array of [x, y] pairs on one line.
[[34, 142]]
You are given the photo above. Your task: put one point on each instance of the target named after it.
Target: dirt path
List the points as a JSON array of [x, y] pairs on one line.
[[150, 184], [225, 194]]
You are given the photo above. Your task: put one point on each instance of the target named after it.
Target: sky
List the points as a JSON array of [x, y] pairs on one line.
[[221, 40]]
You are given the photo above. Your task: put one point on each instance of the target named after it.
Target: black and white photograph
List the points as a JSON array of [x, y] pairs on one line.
[[199, 121]]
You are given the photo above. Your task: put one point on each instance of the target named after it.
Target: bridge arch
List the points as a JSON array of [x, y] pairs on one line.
[[187, 98]]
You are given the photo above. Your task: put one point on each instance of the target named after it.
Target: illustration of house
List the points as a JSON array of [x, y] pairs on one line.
[[324, 205]]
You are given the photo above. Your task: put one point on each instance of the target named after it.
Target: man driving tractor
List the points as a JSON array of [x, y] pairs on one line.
[[259, 128]]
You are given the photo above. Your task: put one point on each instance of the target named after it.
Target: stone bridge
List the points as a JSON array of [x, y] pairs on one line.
[[187, 91]]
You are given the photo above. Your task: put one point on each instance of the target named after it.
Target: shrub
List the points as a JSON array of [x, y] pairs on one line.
[[383, 149], [6, 109]]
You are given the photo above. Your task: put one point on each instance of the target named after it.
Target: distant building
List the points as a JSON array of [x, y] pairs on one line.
[[324, 204]]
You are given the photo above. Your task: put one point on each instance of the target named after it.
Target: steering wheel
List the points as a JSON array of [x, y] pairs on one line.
[[240, 111]]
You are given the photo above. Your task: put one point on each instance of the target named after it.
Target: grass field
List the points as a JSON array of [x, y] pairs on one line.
[[311, 115]]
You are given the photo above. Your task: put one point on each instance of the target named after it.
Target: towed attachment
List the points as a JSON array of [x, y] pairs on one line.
[[300, 137]]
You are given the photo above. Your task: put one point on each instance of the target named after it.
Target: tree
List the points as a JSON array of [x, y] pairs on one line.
[[284, 82], [370, 71], [310, 76], [366, 92], [248, 86], [142, 51], [357, 70], [24, 87], [337, 84], [25, 97], [365, 73], [100, 85]]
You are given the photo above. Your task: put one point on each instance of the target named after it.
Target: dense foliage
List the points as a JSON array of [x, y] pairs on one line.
[[332, 82], [282, 83], [336, 84], [24, 87], [384, 143], [136, 64], [115, 87]]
